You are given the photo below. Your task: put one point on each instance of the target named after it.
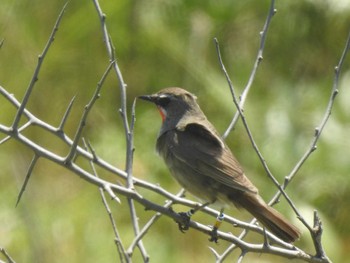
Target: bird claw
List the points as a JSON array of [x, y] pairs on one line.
[[214, 235], [184, 222]]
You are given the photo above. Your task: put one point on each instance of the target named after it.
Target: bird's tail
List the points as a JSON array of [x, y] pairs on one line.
[[269, 217]]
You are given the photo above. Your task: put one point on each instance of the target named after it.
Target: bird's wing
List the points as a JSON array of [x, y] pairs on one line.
[[200, 147]]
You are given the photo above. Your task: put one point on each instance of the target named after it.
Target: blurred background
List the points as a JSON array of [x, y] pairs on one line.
[[161, 43]]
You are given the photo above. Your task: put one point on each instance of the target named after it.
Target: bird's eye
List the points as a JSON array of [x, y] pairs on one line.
[[163, 101]]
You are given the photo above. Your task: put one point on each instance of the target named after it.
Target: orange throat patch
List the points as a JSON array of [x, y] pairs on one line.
[[162, 113]]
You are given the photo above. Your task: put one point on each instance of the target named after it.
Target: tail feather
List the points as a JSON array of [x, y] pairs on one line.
[[269, 217]]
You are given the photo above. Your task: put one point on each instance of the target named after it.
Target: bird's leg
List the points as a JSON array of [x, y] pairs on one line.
[[214, 232], [184, 223]]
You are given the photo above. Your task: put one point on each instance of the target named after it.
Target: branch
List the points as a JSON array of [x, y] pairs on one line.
[[123, 112], [255, 146], [259, 58], [319, 129], [150, 223], [37, 70], [316, 231], [33, 120], [8, 257], [123, 257], [87, 109]]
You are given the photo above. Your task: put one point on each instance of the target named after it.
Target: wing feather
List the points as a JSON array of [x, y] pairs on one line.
[[203, 150]]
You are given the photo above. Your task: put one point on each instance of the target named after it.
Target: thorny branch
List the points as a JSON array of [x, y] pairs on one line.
[[127, 130], [121, 250], [131, 189], [316, 230], [36, 72]]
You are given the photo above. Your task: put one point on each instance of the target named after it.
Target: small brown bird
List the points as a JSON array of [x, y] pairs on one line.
[[203, 164]]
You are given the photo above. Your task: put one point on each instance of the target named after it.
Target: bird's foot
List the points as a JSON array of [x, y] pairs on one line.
[[185, 217], [184, 222], [214, 233]]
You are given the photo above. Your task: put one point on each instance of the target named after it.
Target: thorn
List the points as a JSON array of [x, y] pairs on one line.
[[266, 241]]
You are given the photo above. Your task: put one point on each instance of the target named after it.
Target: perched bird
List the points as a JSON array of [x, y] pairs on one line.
[[201, 162]]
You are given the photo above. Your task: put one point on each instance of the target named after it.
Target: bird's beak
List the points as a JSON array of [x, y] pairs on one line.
[[147, 97]]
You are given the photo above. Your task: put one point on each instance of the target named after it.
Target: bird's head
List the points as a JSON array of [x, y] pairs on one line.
[[175, 105]]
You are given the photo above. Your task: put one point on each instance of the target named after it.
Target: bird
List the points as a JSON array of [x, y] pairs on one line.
[[202, 163]]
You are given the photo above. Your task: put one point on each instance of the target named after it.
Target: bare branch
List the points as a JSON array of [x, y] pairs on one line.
[[111, 55], [317, 234], [129, 162], [319, 129], [122, 254], [8, 257], [130, 148], [259, 58], [22, 128], [123, 112], [55, 131], [148, 225], [87, 109], [255, 146], [37, 70]]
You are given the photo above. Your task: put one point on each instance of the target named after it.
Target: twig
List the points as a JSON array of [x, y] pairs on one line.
[[150, 223], [253, 142], [316, 231], [316, 236], [87, 109], [319, 129], [22, 128], [55, 131], [241, 256], [130, 148], [123, 112], [130, 184], [111, 55], [255, 146], [120, 247], [8, 257], [233, 246], [37, 70], [259, 58]]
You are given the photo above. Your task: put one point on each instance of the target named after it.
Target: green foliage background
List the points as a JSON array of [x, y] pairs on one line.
[[162, 43]]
